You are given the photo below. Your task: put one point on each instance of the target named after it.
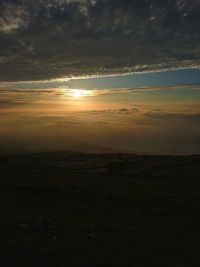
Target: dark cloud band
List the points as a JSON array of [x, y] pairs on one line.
[[45, 39]]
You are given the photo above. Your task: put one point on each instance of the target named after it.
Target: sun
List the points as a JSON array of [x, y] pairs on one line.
[[78, 93]]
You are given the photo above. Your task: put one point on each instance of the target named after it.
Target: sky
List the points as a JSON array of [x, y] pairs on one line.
[[100, 76], [103, 114]]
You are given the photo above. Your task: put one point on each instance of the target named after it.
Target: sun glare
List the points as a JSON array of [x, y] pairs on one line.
[[80, 93]]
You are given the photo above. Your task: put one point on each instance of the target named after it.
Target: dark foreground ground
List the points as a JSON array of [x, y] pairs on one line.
[[68, 209]]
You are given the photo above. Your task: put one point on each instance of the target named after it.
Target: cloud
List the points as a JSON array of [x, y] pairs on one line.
[[12, 103], [45, 39], [116, 111], [65, 87], [13, 17], [61, 120], [174, 116]]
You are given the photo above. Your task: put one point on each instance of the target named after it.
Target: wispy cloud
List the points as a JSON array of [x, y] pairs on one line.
[[191, 117], [60, 87]]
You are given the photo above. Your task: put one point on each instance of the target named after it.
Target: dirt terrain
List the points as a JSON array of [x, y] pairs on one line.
[[73, 209]]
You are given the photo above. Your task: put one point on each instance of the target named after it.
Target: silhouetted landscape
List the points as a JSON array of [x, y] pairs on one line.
[[75, 209]]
